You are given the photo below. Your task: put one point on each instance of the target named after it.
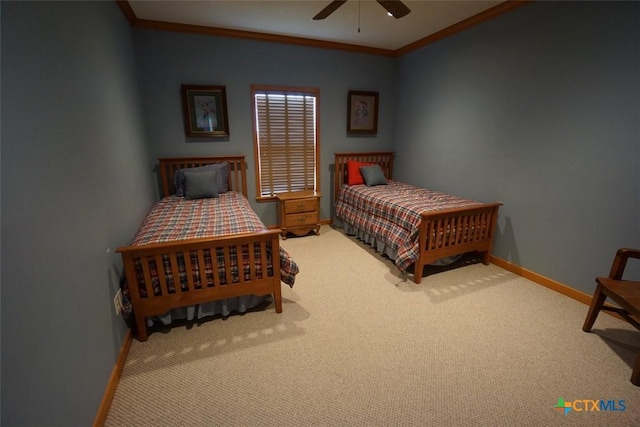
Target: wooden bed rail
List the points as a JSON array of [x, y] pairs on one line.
[[455, 231], [186, 272]]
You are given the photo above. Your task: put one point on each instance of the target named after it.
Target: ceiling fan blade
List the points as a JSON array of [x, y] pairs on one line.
[[329, 9], [396, 8]]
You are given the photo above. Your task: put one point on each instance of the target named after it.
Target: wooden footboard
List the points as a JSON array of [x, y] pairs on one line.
[[456, 231], [181, 273]]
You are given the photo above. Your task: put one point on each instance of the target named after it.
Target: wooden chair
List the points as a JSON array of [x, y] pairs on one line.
[[625, 293]]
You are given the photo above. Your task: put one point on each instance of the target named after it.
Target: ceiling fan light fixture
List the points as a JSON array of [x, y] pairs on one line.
[[394, 8]]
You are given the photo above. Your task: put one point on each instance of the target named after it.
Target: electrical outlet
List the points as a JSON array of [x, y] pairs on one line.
[[117, 302]]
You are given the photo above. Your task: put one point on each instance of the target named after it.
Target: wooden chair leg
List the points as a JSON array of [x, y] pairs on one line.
[[596, 305], [635, 375]]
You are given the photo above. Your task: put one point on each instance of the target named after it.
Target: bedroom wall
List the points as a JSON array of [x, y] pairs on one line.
[[72, 189], [168, 59], [529, 109], [540, 109]]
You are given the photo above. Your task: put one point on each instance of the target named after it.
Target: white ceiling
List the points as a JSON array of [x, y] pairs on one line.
[[294, 18]]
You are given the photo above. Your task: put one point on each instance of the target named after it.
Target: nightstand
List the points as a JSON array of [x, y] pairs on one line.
[[299, 212]]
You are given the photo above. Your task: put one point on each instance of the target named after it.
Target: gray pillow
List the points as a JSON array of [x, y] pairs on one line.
[[222, 180], [201, 184], [373, 175]]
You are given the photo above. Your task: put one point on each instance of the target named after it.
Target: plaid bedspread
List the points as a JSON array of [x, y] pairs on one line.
[[391, 213], [176, 218]]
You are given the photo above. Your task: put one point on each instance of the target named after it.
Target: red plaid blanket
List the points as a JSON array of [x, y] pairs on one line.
[[391, 213], [176, 218]]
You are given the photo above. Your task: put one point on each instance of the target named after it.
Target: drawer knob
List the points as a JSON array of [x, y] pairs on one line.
[[300, 206]]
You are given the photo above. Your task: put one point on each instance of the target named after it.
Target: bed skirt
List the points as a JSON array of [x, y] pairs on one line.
[[223, 307], [381, 246]]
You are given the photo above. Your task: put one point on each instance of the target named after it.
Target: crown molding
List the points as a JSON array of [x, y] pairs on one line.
[[474, 20], [486, 15], [266, 37]]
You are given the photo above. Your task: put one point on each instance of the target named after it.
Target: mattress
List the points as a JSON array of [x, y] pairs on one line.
[[390, 215], [176, 218]]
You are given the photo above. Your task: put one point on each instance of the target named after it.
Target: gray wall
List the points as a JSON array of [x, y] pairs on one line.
[[166, 60], [72, 189], [539, 109]]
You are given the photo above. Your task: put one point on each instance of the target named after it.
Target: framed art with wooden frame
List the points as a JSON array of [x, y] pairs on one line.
[[205, 111], [362, 115]]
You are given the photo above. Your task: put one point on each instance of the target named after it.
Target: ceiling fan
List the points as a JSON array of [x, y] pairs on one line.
[[396, 8]]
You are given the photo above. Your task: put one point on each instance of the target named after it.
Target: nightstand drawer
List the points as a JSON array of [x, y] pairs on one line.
[[296, 220], [301, 205]]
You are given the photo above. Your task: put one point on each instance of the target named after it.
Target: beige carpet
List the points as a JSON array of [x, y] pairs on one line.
[[359, 344]]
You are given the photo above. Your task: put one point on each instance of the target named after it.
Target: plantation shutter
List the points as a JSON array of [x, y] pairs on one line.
[[286, 141]]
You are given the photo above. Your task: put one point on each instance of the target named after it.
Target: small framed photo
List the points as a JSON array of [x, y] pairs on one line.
[[205, 111], [362, 117]]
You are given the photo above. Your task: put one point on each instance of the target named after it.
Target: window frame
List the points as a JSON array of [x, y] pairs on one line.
[[283, 90]]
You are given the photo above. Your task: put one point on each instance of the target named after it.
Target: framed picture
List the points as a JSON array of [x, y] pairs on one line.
[[205, 111], [362, 117]]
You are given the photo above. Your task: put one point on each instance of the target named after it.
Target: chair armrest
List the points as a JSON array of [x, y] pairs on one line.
[[620, 262]]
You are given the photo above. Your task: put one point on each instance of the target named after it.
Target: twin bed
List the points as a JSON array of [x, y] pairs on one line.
[[202, 246], [197, 246], [413, 226]]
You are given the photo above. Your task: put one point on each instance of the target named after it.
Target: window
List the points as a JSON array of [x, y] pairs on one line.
[[285, 139]]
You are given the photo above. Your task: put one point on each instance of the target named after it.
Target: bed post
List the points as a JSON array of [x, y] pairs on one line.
[[277, 288], [134, 294], [141, 327], [486, 255]]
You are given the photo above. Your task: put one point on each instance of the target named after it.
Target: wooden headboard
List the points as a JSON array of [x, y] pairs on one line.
[[383, 158], [237, 171]]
